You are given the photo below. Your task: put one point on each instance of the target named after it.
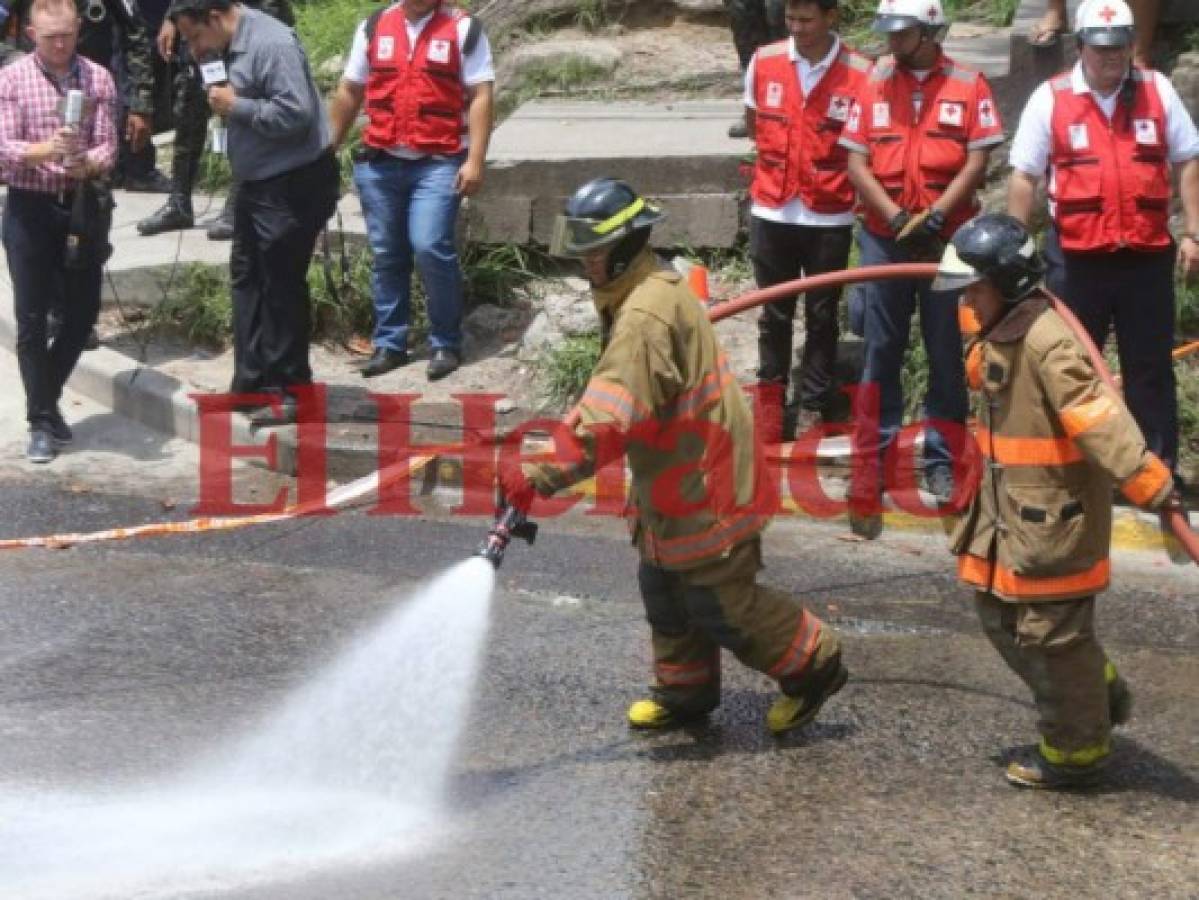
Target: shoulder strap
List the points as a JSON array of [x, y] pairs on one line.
[[372, 25], [474, 30]]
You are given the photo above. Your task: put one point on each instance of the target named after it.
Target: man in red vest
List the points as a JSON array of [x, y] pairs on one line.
[[425, 74], [1106, 135], [919, 137], [798, 95]]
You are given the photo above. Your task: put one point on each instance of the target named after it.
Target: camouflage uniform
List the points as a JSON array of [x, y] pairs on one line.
[[755, 23]]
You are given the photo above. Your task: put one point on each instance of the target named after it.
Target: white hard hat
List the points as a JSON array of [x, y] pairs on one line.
[[896, 15], [1105, 23]]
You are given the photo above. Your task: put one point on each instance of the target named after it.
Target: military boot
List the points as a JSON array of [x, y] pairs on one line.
[[1029, 768], [175, 215]]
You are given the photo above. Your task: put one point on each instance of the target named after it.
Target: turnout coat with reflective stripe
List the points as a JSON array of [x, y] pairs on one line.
[[663, 385], [1054, 438]]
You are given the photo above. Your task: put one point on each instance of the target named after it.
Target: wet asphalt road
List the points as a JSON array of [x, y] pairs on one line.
[[121, 663]]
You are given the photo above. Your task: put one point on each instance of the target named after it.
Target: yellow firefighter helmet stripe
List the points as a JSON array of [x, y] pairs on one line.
[[611, 224]]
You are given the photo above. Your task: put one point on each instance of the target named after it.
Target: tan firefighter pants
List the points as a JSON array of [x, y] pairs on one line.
[[694, 613], [1052, 646]]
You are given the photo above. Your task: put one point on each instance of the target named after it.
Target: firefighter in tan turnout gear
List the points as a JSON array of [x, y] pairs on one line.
[[1034, 542], [662, 393]]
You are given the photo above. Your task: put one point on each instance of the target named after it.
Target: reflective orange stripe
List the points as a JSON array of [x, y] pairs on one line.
[[1085, 416], [1148, 481], [974, 367], [707, 392], [799, 654], [615, 400], [712, 542], [1016, 451], [679, 674], [990, 576], [968, 323]]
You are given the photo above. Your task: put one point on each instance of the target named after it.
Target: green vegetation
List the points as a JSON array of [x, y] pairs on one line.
[[564, 371], [557, 75], [493, 272], [327, 26], [199, 308]]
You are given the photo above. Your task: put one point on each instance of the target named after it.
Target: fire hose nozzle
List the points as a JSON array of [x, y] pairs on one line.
[[510, 523]]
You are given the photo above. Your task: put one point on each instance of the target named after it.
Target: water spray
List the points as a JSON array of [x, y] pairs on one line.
[[510, 523]]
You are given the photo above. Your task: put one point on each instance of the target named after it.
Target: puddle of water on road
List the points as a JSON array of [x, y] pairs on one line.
[[351, 770]]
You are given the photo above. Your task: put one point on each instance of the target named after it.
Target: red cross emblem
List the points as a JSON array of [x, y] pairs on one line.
[[1107, 14]]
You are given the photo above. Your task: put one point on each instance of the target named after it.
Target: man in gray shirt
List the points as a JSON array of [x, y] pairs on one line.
[[278, 144]]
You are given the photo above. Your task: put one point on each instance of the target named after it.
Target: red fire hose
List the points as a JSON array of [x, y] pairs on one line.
[[1173, 519]]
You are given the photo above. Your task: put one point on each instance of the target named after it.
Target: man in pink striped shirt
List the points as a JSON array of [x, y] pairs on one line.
[[49, 167]]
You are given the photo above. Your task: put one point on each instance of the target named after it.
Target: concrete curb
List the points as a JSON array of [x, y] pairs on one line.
[[162, 402]]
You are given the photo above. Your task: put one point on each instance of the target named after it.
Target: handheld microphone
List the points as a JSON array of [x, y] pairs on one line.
[[213, 73], [72, 108]]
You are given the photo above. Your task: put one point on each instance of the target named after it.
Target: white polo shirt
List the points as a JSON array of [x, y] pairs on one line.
[[796, 212], [477, 65], [1031, 145]]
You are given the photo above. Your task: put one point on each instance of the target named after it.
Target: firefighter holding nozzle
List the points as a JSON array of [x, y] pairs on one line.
[[663, 395]]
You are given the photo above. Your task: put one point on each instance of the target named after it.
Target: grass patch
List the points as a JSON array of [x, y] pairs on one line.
[[214, 175], [200, 308], [1187, 373], [557, 75], [563, 372], [326, 27], [493, 272], [343, 302], [1186, 311]]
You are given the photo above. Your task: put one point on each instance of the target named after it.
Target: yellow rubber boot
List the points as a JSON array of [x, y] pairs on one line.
[[790, 712], [651, 714]]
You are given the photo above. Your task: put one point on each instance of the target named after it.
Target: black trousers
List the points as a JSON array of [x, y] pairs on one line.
[[1133, 291], [35, 238], [783, 253], [275, 225]]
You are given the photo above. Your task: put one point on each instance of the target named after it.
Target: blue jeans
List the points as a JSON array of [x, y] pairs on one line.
[[410, 207], [887, 308]]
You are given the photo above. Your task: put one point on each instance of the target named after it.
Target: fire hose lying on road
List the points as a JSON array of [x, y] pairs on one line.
[[510, 523]]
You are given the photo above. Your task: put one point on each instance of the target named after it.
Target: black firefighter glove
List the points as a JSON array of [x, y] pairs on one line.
[[920, 235]]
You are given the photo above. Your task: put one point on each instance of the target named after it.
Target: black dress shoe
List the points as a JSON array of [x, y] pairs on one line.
[[41, 447], [443, 362], [270, 416], [221, 229], [383, 361]]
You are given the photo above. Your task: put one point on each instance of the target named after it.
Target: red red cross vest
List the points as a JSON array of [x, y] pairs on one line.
[[915, 157], [418, 102], [1111, 179], [798, 155]]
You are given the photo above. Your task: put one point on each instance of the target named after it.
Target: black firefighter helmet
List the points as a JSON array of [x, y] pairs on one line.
[[605, 213], [993, 246]]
